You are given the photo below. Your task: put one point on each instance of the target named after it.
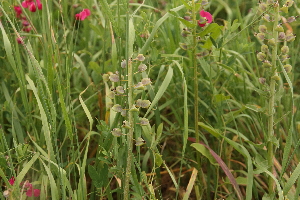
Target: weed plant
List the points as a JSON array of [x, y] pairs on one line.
[[149, 99]]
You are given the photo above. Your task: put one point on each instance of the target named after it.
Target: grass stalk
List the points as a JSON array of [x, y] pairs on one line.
[[131, 116], [196, 115], [271, 103]]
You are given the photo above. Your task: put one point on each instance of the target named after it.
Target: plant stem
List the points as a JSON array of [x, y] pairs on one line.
[[196, 115], [130, 114], [272, 101]]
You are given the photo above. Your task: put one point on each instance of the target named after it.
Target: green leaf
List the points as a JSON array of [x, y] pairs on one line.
[[100, 179], [220, 97], [205, 152], [158, 160], [94, 66], [186, 23], [235, 25], [187, 6], [156, 27], [209, 71], [86, 110], [97, 30], [211, 130], [162, 89]]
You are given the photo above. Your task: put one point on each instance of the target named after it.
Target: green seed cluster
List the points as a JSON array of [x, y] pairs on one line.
[[118, 90], [267, 39]]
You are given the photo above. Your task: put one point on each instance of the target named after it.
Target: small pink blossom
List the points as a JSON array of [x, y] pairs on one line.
[[36, 192], [39, 4], [18, 11], [32, 7], [30, 191], [208, 18], [25, 23], [83, 14], [26, 3], [26, 29], [12, 179]]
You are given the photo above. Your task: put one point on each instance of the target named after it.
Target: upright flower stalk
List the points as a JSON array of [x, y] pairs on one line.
[[130, 117], [130, 132], [270, 63], [272, 98]]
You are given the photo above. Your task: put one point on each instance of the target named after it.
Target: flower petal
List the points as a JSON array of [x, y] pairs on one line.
[[207, 15], [11, 180], [83, 14], [36, 192]]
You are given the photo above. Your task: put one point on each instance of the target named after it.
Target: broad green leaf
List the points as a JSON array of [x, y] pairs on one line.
[[220, 97], [94, 66], [211, 130], [235, 25], [156, 27], [187, 23], [209, 71], [53, 186], [162, 89], [86, 110], [292, 180], [205, 152], [46, 129]]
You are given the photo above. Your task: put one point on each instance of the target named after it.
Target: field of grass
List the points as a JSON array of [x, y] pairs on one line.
[[149, 99]]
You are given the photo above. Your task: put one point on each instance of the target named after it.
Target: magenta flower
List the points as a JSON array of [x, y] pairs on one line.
[[30, 191], [31, 5], [36, 192], [11, 180], [83, 14], [206, 17], [39, 4], [18, 11]]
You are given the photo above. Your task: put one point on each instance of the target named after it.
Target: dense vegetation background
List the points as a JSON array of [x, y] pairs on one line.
[[149, 99]]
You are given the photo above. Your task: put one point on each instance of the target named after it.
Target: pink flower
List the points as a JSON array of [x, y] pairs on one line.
[[26, 29], [36, 192], [12, 179], [18, 11], [32, 7], [28, 186], [20, 41], [206, 18], [83, 14], [26, 3], [39, 4]]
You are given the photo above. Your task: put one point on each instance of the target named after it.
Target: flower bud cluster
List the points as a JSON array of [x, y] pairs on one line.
[[31, 5], [267, 38], [120, 90]]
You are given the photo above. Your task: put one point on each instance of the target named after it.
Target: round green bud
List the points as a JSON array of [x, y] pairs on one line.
[[288, 68], [105, 77], [281, 35], [285, 49], [117, 132], [264, 48], [139, 141], [262, 28], [260, 36], [267, 18], [279, 28], [275, 77], [290, 37], [261, 56], [272, 42], [267, 64]]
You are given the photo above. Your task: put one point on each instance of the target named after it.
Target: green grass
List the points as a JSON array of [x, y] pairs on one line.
[[57, 95]]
